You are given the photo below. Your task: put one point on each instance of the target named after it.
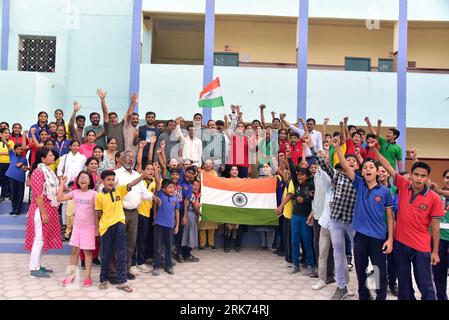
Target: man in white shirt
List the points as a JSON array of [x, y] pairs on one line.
[[192, 147], [309, 127], [131, 201]]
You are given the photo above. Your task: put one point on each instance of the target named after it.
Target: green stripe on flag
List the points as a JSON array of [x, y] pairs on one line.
[[211, 103], [267, 217]]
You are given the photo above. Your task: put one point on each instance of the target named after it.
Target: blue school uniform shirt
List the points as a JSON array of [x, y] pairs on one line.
[[370, 205], [186, 193], [165, 215], [13, 172]]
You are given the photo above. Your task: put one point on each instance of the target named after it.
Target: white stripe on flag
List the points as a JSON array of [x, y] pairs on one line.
[[215, 93], [444, 225], [238, 199]]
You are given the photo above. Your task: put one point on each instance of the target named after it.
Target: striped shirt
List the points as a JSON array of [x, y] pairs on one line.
[[344, 193]]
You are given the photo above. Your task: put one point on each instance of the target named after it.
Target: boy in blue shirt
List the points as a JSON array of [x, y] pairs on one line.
[[16, 173], [166, 223], [372, 201]]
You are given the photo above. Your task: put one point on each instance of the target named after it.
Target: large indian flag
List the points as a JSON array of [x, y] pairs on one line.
[[239, 201], [211, 96]]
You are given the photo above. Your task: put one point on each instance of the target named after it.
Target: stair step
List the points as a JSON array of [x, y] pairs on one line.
[[7, 219], [12, 231], [14, 245]]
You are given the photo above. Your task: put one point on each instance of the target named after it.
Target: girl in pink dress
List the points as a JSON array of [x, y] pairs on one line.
[[85, 227], [43, 230]]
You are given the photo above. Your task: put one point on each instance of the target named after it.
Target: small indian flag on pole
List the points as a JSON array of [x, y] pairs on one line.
[[211, 96], [239, 201]]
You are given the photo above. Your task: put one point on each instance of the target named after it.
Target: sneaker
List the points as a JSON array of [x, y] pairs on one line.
[[351, 292], [39, 274], [67, 281], [226, 249], [155, 272], [130, 276], [200, 248], [87, 282], [330, 280], [12, 213], [238, 249], [340, 294], [83, 264], [134, 271], [394, 290], [170, 271], [294, 270], [213, 247], [46, 270], [179, 258], [314, 273], [286, 264], [191, 259], [350, 265], [149, 261], [319, 285], [96, 262], [143, 268], [307, 271]]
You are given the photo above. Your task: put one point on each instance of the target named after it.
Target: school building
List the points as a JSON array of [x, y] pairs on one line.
[[385, 59]]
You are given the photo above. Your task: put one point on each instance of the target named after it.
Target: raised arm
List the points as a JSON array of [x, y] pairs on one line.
[[142, 145], [282, 117], [262, 115], [102, 94], [346, 129], [153, 140], [344, 164], [343, 132], [2, 137], [72, 131], [325, 123], [137, 180], [61, 197], [379, 126], [370, 126], [384, 162], [321, 162], [132, 105]]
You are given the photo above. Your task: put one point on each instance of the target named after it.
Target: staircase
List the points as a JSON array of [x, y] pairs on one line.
[[12, 231]]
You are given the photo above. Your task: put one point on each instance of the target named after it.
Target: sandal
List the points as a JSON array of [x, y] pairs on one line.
[[103, 285], [125, 288], [67, 281]]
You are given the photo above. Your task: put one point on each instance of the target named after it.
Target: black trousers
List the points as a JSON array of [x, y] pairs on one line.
[[369, 248], [440, 270], [149, 248], [162, 239], [141, 244], [17, 192], [287, 239], [4, 180]]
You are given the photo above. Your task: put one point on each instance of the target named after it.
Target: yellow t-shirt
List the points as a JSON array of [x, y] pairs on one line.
[[145, 205], [288, 208], [4, 148], [335, 158], [111, 207]]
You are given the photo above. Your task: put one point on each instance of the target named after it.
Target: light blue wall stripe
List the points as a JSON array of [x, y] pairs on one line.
[[209, 34], [402, 78], [5, 35], [134, 74], [303, 34]]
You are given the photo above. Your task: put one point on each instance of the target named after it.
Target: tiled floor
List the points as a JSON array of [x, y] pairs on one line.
[[250, 274]]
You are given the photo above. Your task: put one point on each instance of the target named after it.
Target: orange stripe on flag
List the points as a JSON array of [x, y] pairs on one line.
[[212, 85], [262, 185]]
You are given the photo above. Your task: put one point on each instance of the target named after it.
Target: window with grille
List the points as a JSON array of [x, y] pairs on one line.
[[37, 53]]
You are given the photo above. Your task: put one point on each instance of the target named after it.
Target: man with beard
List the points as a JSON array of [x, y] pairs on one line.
[[98, 128], [145, 133]]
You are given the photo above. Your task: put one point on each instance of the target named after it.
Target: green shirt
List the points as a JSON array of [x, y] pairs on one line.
[[267, 149], [444, 222], [391, 151]]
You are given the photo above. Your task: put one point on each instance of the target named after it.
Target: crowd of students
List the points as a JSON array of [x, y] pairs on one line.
[[128, 197]]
